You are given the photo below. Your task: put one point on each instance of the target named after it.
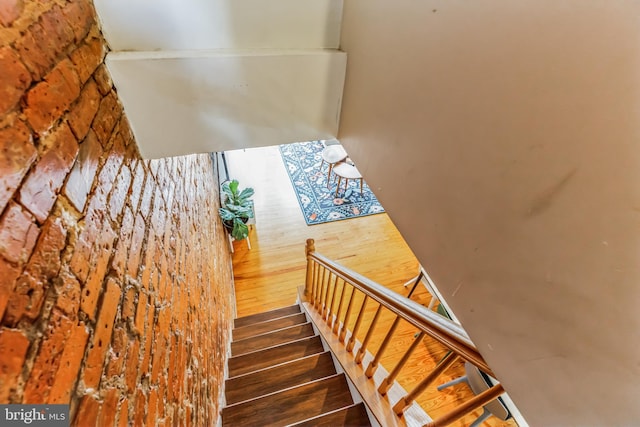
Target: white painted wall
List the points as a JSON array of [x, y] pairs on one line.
[[503, 138], [147, 25], [215, 101]]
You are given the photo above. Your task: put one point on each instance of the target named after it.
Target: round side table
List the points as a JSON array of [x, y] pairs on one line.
[[332, 155], [346, 171]]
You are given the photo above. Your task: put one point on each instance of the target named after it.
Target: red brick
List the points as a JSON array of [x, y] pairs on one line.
[[68, 289], [158, 215], [145, 203], [87, 57], [46, 364], [80, 261], [136, 185], [103, 79], [44, 41], [59, 33], [83, 172], [162, 387], [152, 407], [84, 110], [188, 416], [99, 266], [119, 260], [13, 349], [119, 344], [79, 17], [148, 265], [164, 279], [154, 165], [119, 193], [102, 336], [178, 377], [39, 192], [45, 261], [127, 136], [49, 99], [34, 50], [70, 363], [17, 153], [109, 408], [18, 234], [137, 238], [106, 118], [10, 10], [161, 341], [140, 313], [129, 303], [26, 299], [146, 356], [109, 171], [140, 413], [123, 414], [88, 410], [14, 79], [8, 275], [173, 355], [133, 358]]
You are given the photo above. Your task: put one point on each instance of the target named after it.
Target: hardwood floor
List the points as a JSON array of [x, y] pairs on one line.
[[267, 276]]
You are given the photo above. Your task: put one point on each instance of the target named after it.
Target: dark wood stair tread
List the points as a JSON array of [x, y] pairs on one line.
[[267, 315], [270, 339], [291, 405], [352, 416], [268, 326], [280, 377], [249, 362]]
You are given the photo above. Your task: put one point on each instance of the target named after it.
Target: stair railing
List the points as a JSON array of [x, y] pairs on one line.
[[323, 277]]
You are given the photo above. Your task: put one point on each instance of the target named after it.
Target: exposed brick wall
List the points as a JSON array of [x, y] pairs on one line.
[[115, 281]]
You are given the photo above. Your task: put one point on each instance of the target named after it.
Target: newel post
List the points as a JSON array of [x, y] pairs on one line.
[[309, 248]]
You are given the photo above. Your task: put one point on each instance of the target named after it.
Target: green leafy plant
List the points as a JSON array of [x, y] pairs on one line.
[[237, 209]]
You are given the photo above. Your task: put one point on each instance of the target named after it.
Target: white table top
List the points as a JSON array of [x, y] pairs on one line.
[[345, 170], [334, 154]]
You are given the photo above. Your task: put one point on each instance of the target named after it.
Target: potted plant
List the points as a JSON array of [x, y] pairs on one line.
[[237, 209]]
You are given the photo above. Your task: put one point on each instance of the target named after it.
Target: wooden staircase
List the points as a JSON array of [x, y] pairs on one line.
[[281, 375]]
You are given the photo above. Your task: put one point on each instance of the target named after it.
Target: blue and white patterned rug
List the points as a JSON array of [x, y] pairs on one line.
[[319, 204]]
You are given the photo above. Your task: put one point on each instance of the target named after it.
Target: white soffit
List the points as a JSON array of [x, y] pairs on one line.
[[189, 102]]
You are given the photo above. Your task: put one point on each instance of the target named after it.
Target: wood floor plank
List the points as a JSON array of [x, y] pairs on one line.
[[279, 377]]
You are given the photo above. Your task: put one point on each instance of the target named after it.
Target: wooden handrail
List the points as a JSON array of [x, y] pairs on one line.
[[449, 334]]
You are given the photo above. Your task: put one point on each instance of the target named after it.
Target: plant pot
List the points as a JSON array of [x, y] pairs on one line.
[[228, 224]]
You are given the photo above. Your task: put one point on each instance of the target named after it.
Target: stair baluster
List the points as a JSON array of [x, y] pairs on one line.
[[450, 335]]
